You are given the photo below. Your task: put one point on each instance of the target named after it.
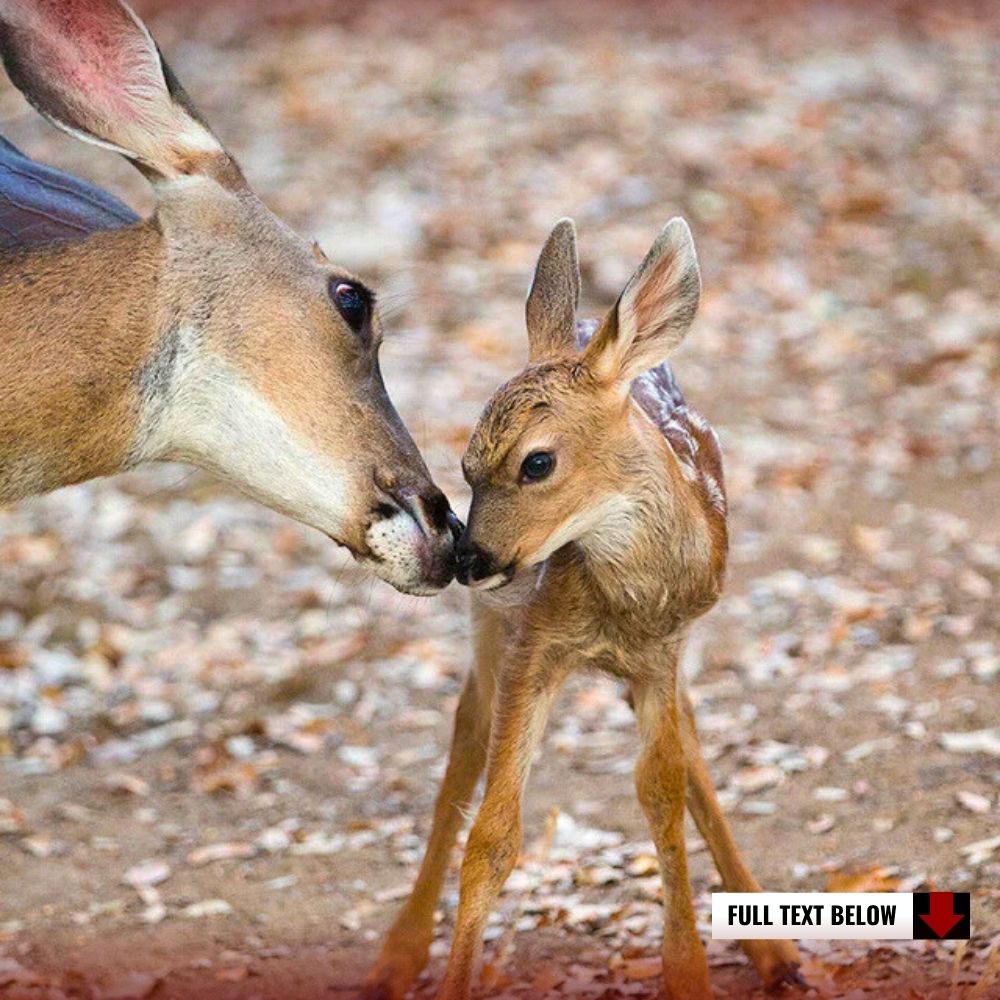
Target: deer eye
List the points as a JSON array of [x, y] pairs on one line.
[[352, 302], [538, 465]]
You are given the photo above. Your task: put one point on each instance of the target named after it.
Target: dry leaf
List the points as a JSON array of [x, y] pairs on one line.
[[874, 879], [637, 969], [220, 852], [547, 978], [132, 986]]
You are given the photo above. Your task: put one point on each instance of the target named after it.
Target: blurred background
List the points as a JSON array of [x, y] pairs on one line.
[[219, 742]]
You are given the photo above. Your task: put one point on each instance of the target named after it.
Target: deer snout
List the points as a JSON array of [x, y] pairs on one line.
[[412, 540], [478, 568], [429, 508]]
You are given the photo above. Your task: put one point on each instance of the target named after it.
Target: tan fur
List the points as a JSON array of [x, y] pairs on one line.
[[643, 557], [206, 334], [68, 390]]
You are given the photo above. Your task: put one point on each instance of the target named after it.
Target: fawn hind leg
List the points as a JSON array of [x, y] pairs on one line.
[[660, 783], [776, 961], [404, 951]]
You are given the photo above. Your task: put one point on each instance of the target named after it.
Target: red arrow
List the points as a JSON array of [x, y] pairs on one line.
[[942, 917]]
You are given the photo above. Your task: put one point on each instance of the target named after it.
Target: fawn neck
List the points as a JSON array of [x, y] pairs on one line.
[[653, 563], [77, 324]]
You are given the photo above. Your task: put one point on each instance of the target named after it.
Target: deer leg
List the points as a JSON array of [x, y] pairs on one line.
[[660, 782], [404, 951], [524, 695], [776, 961]]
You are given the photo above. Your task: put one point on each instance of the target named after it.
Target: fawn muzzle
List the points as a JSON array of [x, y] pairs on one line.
[[478, 568]]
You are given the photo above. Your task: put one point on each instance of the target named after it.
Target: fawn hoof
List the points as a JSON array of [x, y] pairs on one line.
[[777, 962], [395, 972], [787, 975], [386, 988]]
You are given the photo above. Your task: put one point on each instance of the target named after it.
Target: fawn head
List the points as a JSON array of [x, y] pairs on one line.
[[551, 460], [262, 361]]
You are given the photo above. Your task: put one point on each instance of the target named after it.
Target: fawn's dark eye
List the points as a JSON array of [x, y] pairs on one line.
[[352, 302], [538, 465]]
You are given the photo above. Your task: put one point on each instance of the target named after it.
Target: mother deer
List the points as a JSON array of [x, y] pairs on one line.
[[209, 333]]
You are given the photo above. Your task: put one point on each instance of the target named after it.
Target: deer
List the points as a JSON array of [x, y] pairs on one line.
[[209, 333], [596, 536]]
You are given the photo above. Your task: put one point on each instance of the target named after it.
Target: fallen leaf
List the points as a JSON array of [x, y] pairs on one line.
[[874, 879], [131, 986], [220, 852], [638, 969], [973, 801]]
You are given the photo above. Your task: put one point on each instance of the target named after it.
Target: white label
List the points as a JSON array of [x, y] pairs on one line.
[[826, 916]]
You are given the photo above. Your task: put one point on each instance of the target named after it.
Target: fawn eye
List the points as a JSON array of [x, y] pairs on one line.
[[538, 465], [352, 302]]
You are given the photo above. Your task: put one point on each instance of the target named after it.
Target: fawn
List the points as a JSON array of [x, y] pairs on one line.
[[596, 535], [209, 333]]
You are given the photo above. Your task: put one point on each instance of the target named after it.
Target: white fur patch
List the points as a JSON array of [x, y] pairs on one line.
[[209, 416], [611, 535], [396, 542], [603, 530]]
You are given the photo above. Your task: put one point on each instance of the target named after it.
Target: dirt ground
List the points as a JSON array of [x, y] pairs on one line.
[[219, 742]]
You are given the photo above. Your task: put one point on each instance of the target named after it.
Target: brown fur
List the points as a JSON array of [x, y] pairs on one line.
[[75, 331], [638, 474]]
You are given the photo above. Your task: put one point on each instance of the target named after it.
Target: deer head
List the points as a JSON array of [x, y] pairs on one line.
[[555, 457], [258, 355]]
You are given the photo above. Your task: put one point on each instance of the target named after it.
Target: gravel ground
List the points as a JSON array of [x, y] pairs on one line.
[[219, 743]]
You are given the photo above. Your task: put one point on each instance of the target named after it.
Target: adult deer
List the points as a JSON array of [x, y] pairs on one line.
[[209, 333], [597, 534]]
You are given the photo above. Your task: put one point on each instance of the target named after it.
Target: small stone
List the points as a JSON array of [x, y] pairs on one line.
[[973, 802], [47, 720]]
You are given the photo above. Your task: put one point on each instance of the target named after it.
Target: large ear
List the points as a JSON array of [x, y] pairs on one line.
[[555, 292], [654, 312], [92, 68]]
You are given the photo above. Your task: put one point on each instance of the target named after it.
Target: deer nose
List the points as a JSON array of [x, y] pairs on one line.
[[472, 562], [430, 509]]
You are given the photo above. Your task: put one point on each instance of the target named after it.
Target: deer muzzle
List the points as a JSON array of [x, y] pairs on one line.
[[411, 540]]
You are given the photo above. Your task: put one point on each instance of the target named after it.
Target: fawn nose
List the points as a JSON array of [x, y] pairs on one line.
[[472, 563]]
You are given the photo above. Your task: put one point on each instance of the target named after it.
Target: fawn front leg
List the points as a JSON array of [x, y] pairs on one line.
[[524, 695], [776, 961], [660, 782], [404, 952]]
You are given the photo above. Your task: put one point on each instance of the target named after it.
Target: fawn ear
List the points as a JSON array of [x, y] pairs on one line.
[[92, 68], [654, 312], [555, 293]]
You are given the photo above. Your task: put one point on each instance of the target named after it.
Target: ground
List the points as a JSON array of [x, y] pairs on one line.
[[219, 742]]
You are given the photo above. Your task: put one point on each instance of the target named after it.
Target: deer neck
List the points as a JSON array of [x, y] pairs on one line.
[[78, 322]]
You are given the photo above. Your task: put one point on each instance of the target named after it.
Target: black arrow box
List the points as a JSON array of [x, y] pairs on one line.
[[924, 905]]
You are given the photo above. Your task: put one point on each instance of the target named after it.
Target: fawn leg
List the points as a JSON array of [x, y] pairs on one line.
[[776, 961], [404, 951], [660, 783], [525, 693]]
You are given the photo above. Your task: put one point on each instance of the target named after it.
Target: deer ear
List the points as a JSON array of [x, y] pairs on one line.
[[92, 68], [655, 311], [555, 293]]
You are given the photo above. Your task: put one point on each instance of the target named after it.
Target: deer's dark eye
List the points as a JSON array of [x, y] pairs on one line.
[[352, 302], [538, 465]]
